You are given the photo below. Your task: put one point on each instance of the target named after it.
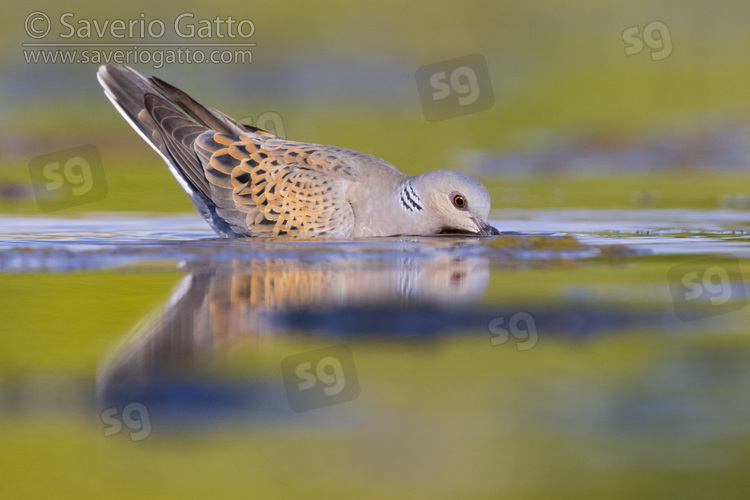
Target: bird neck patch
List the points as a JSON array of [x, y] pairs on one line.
[[410, 201]]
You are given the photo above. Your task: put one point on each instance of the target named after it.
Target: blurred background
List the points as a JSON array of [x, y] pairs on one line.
[[616, 105], [570, 106]]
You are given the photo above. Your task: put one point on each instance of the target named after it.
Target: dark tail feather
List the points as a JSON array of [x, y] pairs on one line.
[[128, 88], [153, 109], [206, 116], [160, 123]]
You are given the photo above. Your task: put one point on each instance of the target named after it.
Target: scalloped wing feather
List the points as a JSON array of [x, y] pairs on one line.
[[272, 187]]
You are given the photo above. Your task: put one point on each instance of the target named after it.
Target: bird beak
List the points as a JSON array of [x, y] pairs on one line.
[[484, 228]]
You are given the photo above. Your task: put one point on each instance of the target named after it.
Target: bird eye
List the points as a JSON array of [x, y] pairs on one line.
[[459, 201]]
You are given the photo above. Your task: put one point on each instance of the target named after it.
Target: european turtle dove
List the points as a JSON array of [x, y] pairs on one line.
[[248, 182]]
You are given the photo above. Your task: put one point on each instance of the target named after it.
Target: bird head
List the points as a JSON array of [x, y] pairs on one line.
[[455, 202]]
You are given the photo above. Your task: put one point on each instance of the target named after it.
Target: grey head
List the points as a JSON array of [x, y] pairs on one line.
[[453, 202]]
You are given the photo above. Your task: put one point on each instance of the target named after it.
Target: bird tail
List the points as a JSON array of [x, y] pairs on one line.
[[170, 121], [127, 88]]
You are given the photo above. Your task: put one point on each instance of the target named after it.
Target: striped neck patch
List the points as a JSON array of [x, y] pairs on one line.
[[410, 201]]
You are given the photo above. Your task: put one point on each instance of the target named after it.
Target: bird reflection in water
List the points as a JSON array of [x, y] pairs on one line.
[[170, 359]]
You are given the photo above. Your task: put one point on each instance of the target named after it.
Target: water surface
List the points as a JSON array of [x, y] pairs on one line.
[[602, 343]]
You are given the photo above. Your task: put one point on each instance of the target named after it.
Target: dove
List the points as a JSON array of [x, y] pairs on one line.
[[247, 182]]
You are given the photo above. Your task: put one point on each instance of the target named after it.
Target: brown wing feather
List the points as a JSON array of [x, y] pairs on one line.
[[279, 187], [243, 180]]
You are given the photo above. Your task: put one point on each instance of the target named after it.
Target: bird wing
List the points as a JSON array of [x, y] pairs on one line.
[[243, 180], [266, 186], [169, 120]]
